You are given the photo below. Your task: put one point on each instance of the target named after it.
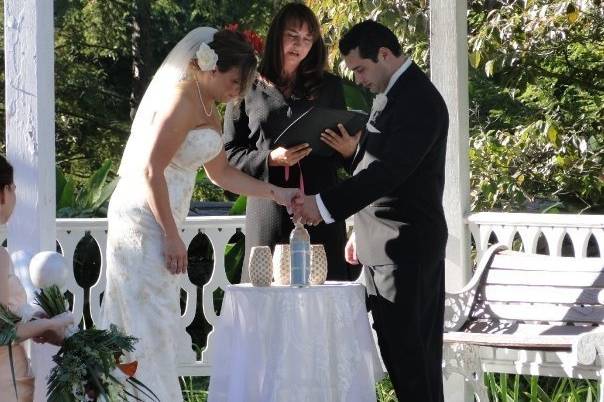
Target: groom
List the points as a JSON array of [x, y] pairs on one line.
[[396, 196]]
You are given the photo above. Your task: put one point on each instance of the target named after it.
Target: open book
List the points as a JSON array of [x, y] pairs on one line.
[[307, 126]]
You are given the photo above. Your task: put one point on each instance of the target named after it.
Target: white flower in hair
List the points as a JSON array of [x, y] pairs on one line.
[[206, 57]]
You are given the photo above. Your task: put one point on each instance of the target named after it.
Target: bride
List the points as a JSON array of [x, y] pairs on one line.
[[176, 129]]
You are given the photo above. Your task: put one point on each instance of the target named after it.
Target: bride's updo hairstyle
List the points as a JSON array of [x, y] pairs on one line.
[[234, 51]]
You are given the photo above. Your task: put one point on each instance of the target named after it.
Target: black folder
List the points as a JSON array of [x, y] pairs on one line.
[[307, 126]]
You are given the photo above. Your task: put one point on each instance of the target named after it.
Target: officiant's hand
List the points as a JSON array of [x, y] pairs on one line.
[[306, 210], [288, 156], [342, 142]]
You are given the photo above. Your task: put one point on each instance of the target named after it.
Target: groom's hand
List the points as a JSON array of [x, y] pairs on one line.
[[306, 211], [342, 142], [350, 251]]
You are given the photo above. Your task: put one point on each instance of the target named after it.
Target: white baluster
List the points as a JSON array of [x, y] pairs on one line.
[[554, 237], [219, 239], [505, 234], [100, 236], [68, 246], [580, 239], [530, 237]]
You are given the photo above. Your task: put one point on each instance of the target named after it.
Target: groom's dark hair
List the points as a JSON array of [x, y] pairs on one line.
[[369, 36]]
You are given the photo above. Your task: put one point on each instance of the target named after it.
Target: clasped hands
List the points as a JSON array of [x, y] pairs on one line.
[[303, 207]]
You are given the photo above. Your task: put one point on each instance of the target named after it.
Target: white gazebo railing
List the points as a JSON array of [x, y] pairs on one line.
[[218, 230], [584, 233]]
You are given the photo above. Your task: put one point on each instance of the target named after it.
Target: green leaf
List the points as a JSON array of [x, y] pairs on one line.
[[475, 59], [238, 207], [551, 132], [12, 368], [106, 193], [60, 184], [572, 13], [201, 176], [233, 260], [66, 198], [94, 186], [355, 97]]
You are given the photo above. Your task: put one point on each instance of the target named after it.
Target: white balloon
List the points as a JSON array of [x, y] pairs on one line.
[[48, 268]]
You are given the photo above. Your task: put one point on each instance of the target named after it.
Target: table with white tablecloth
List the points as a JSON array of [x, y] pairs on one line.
[[294, 344]]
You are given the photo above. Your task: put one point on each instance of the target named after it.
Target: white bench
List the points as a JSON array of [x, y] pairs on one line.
[[527, 314]]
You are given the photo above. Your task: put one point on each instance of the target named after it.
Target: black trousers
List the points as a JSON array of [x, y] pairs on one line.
[[408, 315]]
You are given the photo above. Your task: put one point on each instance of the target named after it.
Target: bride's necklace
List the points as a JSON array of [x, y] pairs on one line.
[[209, 114]]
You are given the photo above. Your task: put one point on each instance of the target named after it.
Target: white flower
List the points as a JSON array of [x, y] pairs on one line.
[[26, 312], [206, 57], [379, 103]]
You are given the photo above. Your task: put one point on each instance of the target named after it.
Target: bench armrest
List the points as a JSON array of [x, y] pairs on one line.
[[589, 346], [458, 305]]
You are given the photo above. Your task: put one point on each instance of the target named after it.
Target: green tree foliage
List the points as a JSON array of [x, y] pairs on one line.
[[537, 115], [536, 89], [105, 55]]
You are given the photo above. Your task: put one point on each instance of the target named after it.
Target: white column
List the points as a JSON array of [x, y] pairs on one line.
[[449, 72], [30, 137]]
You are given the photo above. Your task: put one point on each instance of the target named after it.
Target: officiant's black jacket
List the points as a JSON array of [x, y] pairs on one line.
[[249, 152], [397, 187]]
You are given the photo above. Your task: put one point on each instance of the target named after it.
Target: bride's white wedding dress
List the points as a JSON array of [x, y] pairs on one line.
[[142, 296]]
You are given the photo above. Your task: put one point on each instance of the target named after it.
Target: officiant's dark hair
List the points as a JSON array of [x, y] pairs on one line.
[[234, 50], [369, 36], [6, 173], [310, 71]]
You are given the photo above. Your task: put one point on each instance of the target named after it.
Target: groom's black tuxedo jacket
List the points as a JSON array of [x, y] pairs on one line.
[[397, 187]]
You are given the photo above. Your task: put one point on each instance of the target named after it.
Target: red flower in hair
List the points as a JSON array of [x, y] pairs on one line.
[[250, 36], [255, 40], [232, 27]]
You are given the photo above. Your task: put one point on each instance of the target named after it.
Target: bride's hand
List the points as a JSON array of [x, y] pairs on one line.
[[175, 253], [285, 196]]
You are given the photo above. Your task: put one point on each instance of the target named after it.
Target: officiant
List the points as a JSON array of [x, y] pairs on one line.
[[292, 77]]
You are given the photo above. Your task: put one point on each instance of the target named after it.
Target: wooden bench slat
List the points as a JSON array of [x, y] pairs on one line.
[[540, 294], [542, 312], [519, 335], [539, 278], [533, 262]]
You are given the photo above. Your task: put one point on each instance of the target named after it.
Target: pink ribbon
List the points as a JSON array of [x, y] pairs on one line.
[[301, 177]]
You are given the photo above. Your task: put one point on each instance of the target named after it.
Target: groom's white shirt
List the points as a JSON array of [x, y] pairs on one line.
[[322, 209]]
